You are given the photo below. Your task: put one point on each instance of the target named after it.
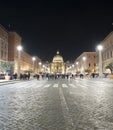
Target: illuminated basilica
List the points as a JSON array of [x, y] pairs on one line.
[[58, 65]]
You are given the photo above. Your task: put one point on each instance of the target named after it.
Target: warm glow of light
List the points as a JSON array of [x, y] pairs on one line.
[[73, 65], [19, 47], [40, 63], [76, 63], [99, 47], [84, 58], [33, 58], [43, 66]]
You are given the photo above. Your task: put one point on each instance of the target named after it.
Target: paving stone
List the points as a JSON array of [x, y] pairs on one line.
[[32, 106]]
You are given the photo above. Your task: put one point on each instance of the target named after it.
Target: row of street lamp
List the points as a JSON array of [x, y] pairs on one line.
[[99, 48], [20, 48]]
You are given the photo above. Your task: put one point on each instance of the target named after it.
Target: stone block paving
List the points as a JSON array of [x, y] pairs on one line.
[[91, 108], [30, 108], [70, 105]]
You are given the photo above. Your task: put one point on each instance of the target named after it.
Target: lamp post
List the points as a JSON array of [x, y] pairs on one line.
[[33, 59], [19, 48], [40, 66], [100, 47], [44, 68], [77, 66], [73, 68], [84, 59]]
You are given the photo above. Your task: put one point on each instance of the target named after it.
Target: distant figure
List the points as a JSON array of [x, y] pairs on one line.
[[28, 76], [47, 76], [93, 75], [21, 76], [42, 76], [15, 76], [81, 76], [67, 76], [38, 76]]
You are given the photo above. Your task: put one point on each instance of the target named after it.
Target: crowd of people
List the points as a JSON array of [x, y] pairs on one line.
[[48, 76], [25, 76], [55, 76]]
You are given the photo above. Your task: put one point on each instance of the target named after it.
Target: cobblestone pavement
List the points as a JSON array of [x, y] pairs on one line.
[[81, 104]]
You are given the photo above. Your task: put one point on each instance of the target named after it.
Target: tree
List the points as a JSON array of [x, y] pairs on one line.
[[6, 66], [88, 70], [78, 72], [28, 71], [110, 66]]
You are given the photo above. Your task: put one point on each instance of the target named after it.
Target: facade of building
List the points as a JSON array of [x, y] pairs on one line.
[[107, 52], [26, 62], [3, 44], [86, 61], [58, 65], [36, 66], [70, 67], [45, 68], [13, 41]]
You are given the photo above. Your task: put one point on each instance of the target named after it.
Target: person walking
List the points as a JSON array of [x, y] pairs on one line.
[[28, 76]]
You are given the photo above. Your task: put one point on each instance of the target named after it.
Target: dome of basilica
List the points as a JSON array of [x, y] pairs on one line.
[[58, 58]]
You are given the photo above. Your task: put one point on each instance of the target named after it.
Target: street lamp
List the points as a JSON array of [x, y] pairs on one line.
[[77, 63], [77, 66], [19, 48], [33, 59], [44, 68], [83, 68], [100, 47], [73, 68], [84, 58], [73, 65], [40, 66], [40, 63]]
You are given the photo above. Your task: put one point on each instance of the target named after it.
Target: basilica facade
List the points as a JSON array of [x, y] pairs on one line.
[[57, 65]]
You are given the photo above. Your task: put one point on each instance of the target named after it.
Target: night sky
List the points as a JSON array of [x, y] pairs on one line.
[[71, 27]]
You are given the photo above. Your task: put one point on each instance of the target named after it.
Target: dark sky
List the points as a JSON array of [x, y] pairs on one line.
[[71, 27]]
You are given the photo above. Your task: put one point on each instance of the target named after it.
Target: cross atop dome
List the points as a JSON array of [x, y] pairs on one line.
[[57, 52]]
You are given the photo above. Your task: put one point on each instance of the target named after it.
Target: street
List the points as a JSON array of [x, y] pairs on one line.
[[75, 104]]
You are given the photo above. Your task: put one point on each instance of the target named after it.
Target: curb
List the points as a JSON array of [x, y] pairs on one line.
[[6, 82]]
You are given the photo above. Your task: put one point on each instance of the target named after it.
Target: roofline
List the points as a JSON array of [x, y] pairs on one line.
[[84, 54], [107, 36], [15, 33], [1, 26]]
